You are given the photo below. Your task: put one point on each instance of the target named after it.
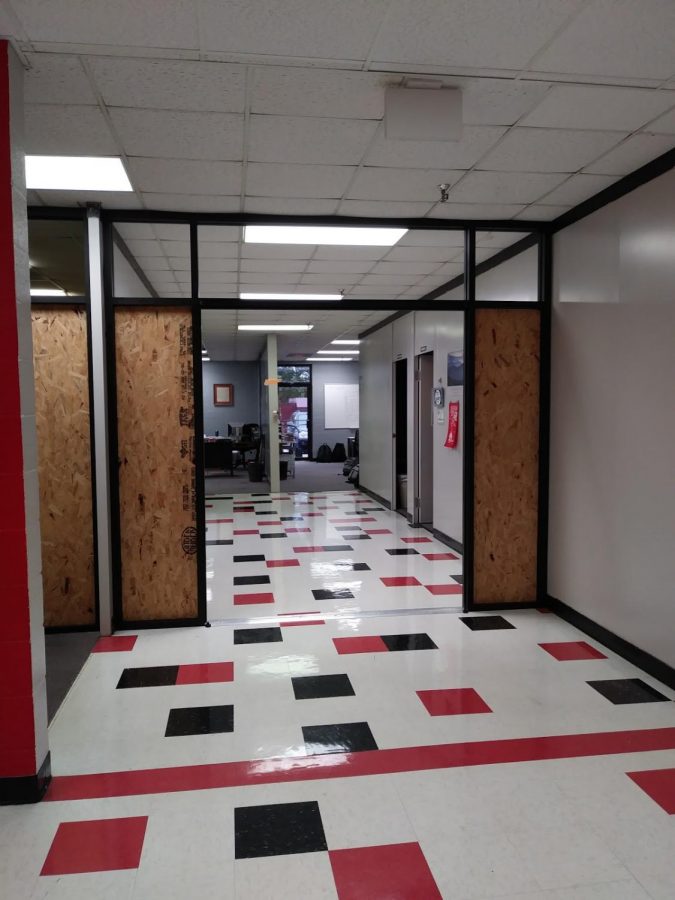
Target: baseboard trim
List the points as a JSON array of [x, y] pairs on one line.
[[376, 497], [446, 539], [26, 789], [640, 658], [501, 607]]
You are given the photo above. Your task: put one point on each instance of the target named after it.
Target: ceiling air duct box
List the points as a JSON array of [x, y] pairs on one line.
[[423, 113]]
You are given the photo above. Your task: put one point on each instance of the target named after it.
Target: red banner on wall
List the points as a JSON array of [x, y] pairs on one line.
[[453, 425]]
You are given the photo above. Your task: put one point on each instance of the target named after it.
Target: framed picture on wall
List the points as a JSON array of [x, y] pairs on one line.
[[223, 395]]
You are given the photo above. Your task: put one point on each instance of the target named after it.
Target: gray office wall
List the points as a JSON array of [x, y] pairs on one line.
[[612, 511], [323, 374], [246, 380]]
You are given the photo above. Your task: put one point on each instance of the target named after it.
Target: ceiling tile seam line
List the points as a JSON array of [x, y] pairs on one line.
[[557, 32], [20, 27], [244, 173], [378, 31], [89, 75]]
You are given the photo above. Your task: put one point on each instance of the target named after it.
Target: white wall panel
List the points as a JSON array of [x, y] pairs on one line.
[[448, 463], [612, 511], [375, 443]]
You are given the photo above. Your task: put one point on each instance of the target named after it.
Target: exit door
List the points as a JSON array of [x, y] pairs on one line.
[[424, 432]]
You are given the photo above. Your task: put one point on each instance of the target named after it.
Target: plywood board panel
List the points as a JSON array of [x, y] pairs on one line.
[[506, 455], [60, 356], [156, 449]]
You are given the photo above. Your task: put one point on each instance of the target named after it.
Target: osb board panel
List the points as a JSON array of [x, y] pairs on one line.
[[155, 422], [506, 455], [64, 465]]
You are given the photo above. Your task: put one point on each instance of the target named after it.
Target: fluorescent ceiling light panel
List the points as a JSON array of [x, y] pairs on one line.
[[345, 342], [330, 359], [76, 173], [338, 352], [319, 234], [248, 296], [47, 292], [274, 327], [206, 359]]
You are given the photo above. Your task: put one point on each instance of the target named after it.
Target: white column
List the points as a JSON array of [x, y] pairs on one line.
[[100, 418], [273, 413]]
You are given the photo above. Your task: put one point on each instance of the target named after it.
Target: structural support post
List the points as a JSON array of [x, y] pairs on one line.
[[273, 413], [100, 415]]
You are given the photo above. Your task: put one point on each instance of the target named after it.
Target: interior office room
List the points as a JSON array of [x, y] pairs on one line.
[[338, 510]]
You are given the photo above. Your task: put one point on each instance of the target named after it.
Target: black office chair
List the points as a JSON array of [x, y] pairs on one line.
[[218, 455]]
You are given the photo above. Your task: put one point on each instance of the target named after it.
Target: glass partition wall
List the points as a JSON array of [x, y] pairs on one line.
[[261, 310]]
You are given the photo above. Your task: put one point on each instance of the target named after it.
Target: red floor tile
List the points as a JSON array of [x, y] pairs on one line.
[[453, 702], [438, 556], [205, 673], [360, 645], [571, 650], [377, 531], [281, 563], [297, 530], [306, 622], [443, 589], [400, 581], [97, 845], [309, 515], [219, 521], [392, 872], [239, 531], [242, 599], [416, 540], [115, 644], [270, 523], [659, 784], [312, 549]]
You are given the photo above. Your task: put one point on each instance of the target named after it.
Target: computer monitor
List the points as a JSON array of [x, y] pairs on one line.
[[234, 429]]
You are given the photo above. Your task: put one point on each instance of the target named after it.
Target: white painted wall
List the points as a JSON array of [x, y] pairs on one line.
[[514, 280], [612, 509], [375, 413]]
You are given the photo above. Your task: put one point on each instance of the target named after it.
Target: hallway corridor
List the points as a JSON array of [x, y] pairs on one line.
[[343, 730]]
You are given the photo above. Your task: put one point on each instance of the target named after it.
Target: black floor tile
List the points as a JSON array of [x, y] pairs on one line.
[[148, 676], [251, 557], [217, 497], [408, 642], [325, 594], [346, 566], [330, 548], [627, 690], [243, 509], [226, 542], [250, 579], [291, 518], [373, 509], [356, 537], [312, 687], [267, 512], [199, 720], [458, 578], [262, 494], [348, 737], [347, 527], [274, 534], [278, 829], [257, 635], [486, 623], [398, 551]]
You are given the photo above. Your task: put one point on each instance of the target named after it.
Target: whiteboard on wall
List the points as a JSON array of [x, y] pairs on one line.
[[341, 406]]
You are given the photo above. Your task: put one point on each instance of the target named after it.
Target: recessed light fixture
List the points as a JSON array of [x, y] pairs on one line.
[[320, 234], [330, 359], [345, 342], [338, 352], [274, 327], [47, 292], [247, 296], [76, 173]]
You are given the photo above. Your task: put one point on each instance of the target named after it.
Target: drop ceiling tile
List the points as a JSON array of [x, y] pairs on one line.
[[216, 252], [137, 230], [603, 108], [176, 248], [318, 92], [217, 265], [191, 203], [269, 277], [268, 180], [145, 248], [491, 34], [155, 264], [541, 213], [208, 234], [664, 124], [398, 280], [350, 253], [634, 152], [277, 251], [287, 207], [301, 139], [185, 176], [433, 237], [419, 254], [273, 265], [577, 189], [403, 268], [406, 209], [462, 154], [179, 135], [615, 38], [503, 187], [259, 287], [169, 84], [475, 210], [332, 29], [336, 280], [108, 199], [548, 150], [67, 130], [496, 101], [169, 232], [339, 266], [374, 183], [211, 278], [125, 23], [56, 78]]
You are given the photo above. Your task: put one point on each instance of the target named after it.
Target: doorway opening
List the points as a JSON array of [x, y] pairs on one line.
[[401, 434], [424, 440]]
